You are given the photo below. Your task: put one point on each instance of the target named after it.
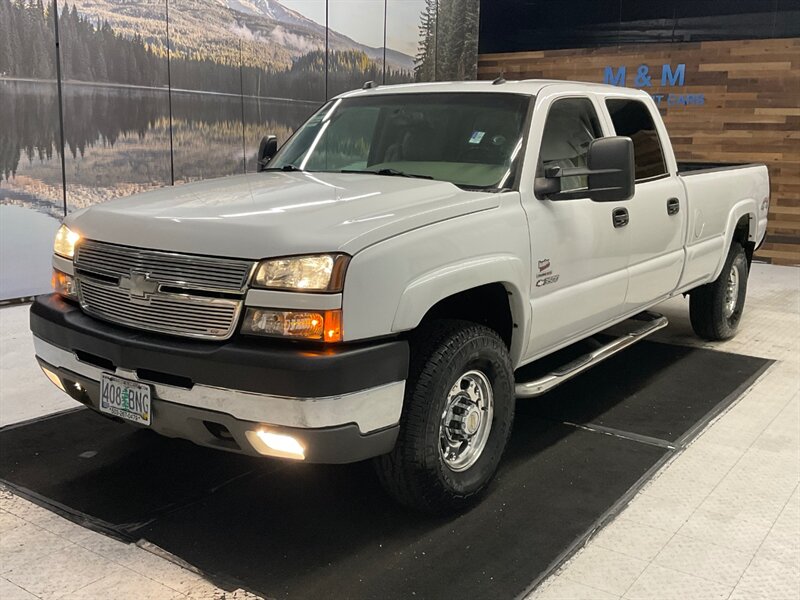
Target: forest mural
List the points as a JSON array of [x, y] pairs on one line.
[[159, 92]]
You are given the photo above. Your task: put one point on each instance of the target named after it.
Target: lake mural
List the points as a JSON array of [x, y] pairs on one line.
[[162, 92]]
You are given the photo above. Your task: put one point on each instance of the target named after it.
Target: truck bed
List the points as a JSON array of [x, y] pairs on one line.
[[718, 197]]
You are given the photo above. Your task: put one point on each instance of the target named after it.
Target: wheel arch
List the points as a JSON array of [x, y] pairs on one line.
[[742, 227], [484, 290]]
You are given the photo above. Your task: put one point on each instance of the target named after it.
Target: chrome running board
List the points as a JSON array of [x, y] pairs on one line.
[[652, 323]]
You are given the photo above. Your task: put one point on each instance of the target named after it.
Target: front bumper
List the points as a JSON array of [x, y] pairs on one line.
[[342, 403]]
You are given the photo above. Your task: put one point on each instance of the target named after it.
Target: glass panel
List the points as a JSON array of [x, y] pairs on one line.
[[403, 40], [31, 191], [355, 44], [284, 71], [468, 139], [570, 127], [116, 104], [206, 49], [457, 40], [632, 119]]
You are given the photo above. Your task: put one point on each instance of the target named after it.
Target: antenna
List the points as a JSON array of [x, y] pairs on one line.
[[369, 85], [500, 79]]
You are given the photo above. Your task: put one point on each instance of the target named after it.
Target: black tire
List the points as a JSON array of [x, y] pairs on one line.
[[709, 309], [415, 472]]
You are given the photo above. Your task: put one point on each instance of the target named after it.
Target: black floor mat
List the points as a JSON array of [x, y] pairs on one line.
[[290, 530], [654, 390]]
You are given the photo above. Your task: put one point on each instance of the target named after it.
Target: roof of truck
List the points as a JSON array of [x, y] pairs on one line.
[[529, 87]]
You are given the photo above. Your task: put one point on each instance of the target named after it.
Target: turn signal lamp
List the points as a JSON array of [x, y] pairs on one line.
[[276, 444], [310, 325], [54, 378], [64, 284]]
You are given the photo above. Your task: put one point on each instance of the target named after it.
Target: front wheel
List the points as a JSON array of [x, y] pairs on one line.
[[715, 309], [457, 417]]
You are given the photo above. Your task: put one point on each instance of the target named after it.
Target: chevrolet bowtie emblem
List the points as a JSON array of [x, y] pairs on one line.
[[139, 284]]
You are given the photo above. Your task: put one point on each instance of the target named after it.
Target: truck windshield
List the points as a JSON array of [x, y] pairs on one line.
[[469, 139]]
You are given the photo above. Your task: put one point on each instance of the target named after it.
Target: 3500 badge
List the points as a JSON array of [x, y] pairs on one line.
[[546, 280]]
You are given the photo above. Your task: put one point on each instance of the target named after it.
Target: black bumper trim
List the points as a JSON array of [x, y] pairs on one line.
[[246, 364]]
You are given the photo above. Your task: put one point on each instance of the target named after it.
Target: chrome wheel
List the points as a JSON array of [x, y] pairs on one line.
[[466, 421], [731, 292]]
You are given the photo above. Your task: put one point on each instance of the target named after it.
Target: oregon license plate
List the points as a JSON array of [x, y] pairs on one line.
[[125, 399]]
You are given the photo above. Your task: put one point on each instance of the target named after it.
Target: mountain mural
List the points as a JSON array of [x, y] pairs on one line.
[[271, 35]]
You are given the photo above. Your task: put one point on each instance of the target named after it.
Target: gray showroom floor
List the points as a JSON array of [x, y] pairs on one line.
[[722, 520]]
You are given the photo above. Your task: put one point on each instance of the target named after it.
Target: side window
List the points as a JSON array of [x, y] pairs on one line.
[[570, 127], [631, 118]]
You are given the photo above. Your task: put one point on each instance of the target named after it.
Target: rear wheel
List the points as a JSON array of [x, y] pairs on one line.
[[716, 308], [457, 416]]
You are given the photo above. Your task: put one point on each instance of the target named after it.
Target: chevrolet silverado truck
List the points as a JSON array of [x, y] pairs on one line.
[[373, 291]]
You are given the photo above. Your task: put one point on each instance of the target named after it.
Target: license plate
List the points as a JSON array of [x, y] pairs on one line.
[[126, 399]]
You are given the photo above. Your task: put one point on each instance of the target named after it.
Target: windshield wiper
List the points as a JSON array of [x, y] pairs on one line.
[[286, 168], [388, 173], [481, 188]]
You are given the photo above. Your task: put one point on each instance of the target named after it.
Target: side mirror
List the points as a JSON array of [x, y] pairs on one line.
[[609, 171], [266, 150]]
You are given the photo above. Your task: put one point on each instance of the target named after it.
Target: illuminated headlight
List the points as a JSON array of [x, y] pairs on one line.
[[298, 324], [64, 284], [314, 273], [66, 239]]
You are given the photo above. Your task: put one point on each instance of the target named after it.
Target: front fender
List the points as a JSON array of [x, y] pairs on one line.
[[390, 285], [430, 288]]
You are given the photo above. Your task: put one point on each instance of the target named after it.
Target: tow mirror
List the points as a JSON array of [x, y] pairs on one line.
[[266, 150], [609, 173]]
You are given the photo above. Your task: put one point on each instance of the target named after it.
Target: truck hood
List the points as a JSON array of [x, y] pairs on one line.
[[277, 214]]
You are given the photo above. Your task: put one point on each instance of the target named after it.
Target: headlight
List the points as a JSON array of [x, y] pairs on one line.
[[314, 273], [65, 242]]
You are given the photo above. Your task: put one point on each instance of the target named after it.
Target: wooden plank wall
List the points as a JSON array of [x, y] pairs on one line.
[[751, 110]]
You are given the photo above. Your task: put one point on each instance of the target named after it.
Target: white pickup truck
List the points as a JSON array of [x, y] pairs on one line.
[[374, 289]]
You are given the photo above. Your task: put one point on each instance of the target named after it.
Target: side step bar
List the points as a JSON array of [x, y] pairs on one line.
[[652, 323]]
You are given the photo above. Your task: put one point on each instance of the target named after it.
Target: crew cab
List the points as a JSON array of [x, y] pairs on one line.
[[374, 290]]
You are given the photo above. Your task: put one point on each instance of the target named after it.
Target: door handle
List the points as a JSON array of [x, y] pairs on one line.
[[620, 217], [673, 206]]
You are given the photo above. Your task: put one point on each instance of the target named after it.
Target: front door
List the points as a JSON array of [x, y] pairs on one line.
[[579, 255]]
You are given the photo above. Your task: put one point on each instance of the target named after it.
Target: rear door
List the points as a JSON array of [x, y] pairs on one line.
[[578, 257], [658, 210]]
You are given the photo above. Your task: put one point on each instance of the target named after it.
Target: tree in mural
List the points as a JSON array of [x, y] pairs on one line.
[[26, 29], [425, 61], [448, 40]]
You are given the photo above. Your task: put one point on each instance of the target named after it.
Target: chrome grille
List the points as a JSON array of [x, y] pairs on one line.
[[183, 270], [166, 313], [178, 294]]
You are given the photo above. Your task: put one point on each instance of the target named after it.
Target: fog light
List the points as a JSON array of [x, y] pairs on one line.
[[64, 284], [54, 378], [276, 444]]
